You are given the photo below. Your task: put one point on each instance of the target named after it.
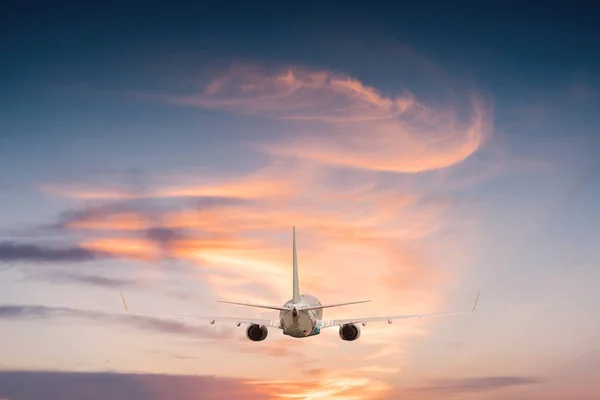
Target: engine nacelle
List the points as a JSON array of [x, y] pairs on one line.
[[349, 332], [257, 333]]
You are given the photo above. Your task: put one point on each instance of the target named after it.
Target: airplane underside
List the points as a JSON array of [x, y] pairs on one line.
[[296, 332], [315, 332]]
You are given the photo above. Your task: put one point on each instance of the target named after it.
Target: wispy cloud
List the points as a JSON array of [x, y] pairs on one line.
[[237, 228], [358, 126], [139, 211], [205, 193], [582, 181], [156, 325], [80, 278], [343, 225], [331, 386], [477, 385], [50, 385], [13, 252], [297, 94]]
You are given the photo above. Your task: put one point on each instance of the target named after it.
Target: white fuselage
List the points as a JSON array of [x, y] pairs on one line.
[[301, 323]]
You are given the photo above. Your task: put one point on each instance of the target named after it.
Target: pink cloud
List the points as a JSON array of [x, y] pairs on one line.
[[358, 237], [359, 126]]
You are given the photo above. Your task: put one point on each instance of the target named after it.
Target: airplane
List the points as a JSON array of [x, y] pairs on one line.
[[302, 315]]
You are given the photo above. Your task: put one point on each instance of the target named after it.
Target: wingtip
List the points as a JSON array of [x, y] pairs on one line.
[[124, 302], [476, 300]]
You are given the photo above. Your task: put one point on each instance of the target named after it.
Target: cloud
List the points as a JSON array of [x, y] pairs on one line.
[[150, 324], [476, 385], [206, 193], [345, 222], [297, 94], [77, 278], [330, 386], [12, 252], [581, 182], [341, 227], [274, 347], [163, 236], [139, 211], [50, 385], [357, 126], [380, 369], [363, 229]]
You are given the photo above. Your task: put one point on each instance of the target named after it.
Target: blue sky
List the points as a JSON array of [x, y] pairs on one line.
[[423, 152]]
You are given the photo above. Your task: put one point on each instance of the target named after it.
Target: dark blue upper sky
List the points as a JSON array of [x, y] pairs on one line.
[[54, 52], [533, 41], [508, 47]]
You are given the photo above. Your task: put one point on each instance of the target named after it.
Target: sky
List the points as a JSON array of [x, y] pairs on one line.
[[423, 153]]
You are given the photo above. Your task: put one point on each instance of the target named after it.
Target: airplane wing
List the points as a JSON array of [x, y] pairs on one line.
[[389, 319], [238, 321]]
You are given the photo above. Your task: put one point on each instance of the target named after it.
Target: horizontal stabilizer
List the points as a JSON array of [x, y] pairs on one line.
[[278, 308], [334, 305]]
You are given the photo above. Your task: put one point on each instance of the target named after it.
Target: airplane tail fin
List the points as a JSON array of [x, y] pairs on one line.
[[296, 286], [296, 295]]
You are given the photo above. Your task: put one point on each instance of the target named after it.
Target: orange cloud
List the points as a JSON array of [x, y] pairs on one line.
[[392, 145], [263, 184], [346, 252], [296, 94], [334, 386], [360, 236], [339, 230], [360, 127], [380, 369], [130, 248]]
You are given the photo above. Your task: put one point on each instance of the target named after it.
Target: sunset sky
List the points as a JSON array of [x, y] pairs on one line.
[[422, 152]]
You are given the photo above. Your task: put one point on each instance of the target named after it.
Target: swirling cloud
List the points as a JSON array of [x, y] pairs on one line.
[[358, 126], [296, 94], [349, 219]]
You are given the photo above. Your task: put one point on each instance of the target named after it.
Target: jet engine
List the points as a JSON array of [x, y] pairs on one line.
[[256, 333], [349, 332]]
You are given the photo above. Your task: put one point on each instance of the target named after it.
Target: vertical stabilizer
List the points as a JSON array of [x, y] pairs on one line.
[[296, 297]]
